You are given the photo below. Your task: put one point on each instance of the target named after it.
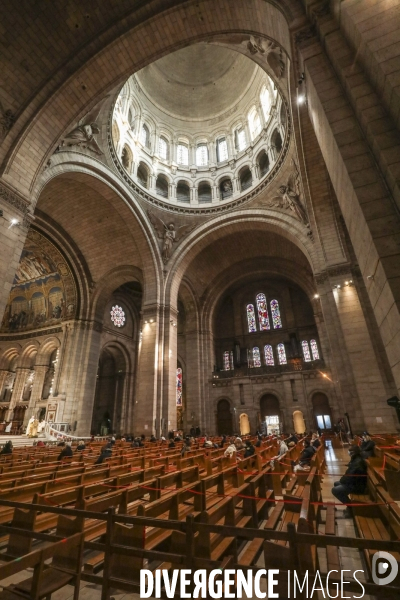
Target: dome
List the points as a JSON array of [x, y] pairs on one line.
[[199, 129]]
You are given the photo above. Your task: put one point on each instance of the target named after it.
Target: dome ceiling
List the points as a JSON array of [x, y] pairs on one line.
[[199, 82]]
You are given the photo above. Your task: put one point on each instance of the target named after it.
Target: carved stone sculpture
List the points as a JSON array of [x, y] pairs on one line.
[[168, 233], [272, 52], [289, 196], [84, 134]]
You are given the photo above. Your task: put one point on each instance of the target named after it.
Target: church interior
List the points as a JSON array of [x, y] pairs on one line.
[[200, 280]]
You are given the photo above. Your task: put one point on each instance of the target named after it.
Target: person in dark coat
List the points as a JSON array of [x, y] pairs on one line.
[[171, 444], [367, 446], [153, 439], [8, 448], [249, 449], [106, 452], [222, 442], [354, 481], [81, 446], [192, 431], [67, 451], [315, 441], [305, 457]]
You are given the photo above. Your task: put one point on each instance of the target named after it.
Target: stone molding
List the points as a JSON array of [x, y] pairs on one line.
[[14, 200]]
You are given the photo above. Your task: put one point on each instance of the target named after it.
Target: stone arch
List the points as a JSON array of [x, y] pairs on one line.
[[109, 283], [271, 412], [143, 174], [183, 191], [47, 347], [224, 417], [162, 185], [28, 354], [10, 355], [244, 424], [204, 192], [322, 410], [245, 177], [127, 158]]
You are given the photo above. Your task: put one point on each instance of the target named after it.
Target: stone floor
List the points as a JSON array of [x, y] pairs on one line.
[[351, 559]]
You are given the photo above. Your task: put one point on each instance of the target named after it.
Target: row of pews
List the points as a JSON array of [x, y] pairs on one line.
[[152, 508]]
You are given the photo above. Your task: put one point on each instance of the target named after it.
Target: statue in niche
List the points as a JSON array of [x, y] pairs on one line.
[[125, 158], [84, 134], [289, 196], [227, 187], [272, 51], [168, 234]]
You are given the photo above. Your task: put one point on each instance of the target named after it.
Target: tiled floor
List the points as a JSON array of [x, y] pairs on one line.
[[350, 558]]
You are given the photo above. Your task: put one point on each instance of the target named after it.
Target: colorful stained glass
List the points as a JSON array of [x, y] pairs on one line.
[[179, 387], [227, 361], [306, 351], [262, 308], [251, 318], [281, 354], [231, 357], [314, 350], [256, 357], [117, 316], [269, 355], [276, 314]]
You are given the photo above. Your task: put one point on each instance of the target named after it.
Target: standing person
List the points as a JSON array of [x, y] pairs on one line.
[[354, 481], [367, 446]]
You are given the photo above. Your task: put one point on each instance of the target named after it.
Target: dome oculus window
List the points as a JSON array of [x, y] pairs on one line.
[[117, 316], [202, 155], [222, 150], [182, 155], [163, 148]]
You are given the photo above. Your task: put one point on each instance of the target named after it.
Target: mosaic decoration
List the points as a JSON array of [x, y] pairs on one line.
[[262, 308], [179, 387], [306, 351], [269, 355], [314, 350], [117, 316], [251, 318], [256, 357], [281, 354], [43, 292], [276, 315]]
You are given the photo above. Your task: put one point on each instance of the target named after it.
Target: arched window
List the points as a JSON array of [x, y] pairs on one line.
[[225, 188], [263, 317], [179, 387], [163, 148], [256, 357], [182, 154], [202, 155], [246, 178], [269, 355], [314, 350], [281, 354], [276, 315], [145, 136], [204, 192], [251, 318], [183, 192], [228, 360], [263, 163], [240, 139], [254, 123], [222, 150], [162, 186], [143, 175], [265, 99], [306, 351], [276, 141]]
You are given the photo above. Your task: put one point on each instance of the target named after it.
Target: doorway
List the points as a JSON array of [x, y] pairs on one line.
[[270, 414], [322, 411], [224, 418]]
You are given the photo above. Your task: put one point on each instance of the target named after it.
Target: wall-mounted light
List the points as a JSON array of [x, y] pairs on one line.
[[301, 99], [151, 320], [316, 296], [371, 277]]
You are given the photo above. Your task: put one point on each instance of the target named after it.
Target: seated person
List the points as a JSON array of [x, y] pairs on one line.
[[305, 457], [249, 449], [66, 451], [171, 444], [239, 443], [367, 446], [8, 448], [153, 439], [81, 446], [222, 442], [231, 449], [292, 440], [315, 441], [354, 481], [106, 452]]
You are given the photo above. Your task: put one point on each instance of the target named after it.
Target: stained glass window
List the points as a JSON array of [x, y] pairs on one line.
[[276, 314], [201, 155], [269, 355], [117, 316], [182, 154], [306, 351], [179, 387], [251, 318], [281, 354], [256, 357], [263, 317], [231, 357], [163, 148], [227, 361], [314, 350]]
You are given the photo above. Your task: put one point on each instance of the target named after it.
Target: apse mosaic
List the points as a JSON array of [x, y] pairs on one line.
[[43, 291]]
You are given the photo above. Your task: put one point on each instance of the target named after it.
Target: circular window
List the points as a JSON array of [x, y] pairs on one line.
[[117, 316]]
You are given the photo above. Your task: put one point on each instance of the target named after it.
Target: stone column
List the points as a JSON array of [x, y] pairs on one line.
[[19, 384], [37, 388], [3, 377], [170, 364]]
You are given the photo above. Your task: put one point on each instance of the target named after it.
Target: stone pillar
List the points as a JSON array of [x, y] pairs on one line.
[[170, 364], [37, 388], [3, 377], [19, 384]]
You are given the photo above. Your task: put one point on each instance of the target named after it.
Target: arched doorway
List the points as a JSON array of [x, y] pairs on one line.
[[298, 422], [244, 424], [270, 414], [224, 418], [322, 411], [109, 395]]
